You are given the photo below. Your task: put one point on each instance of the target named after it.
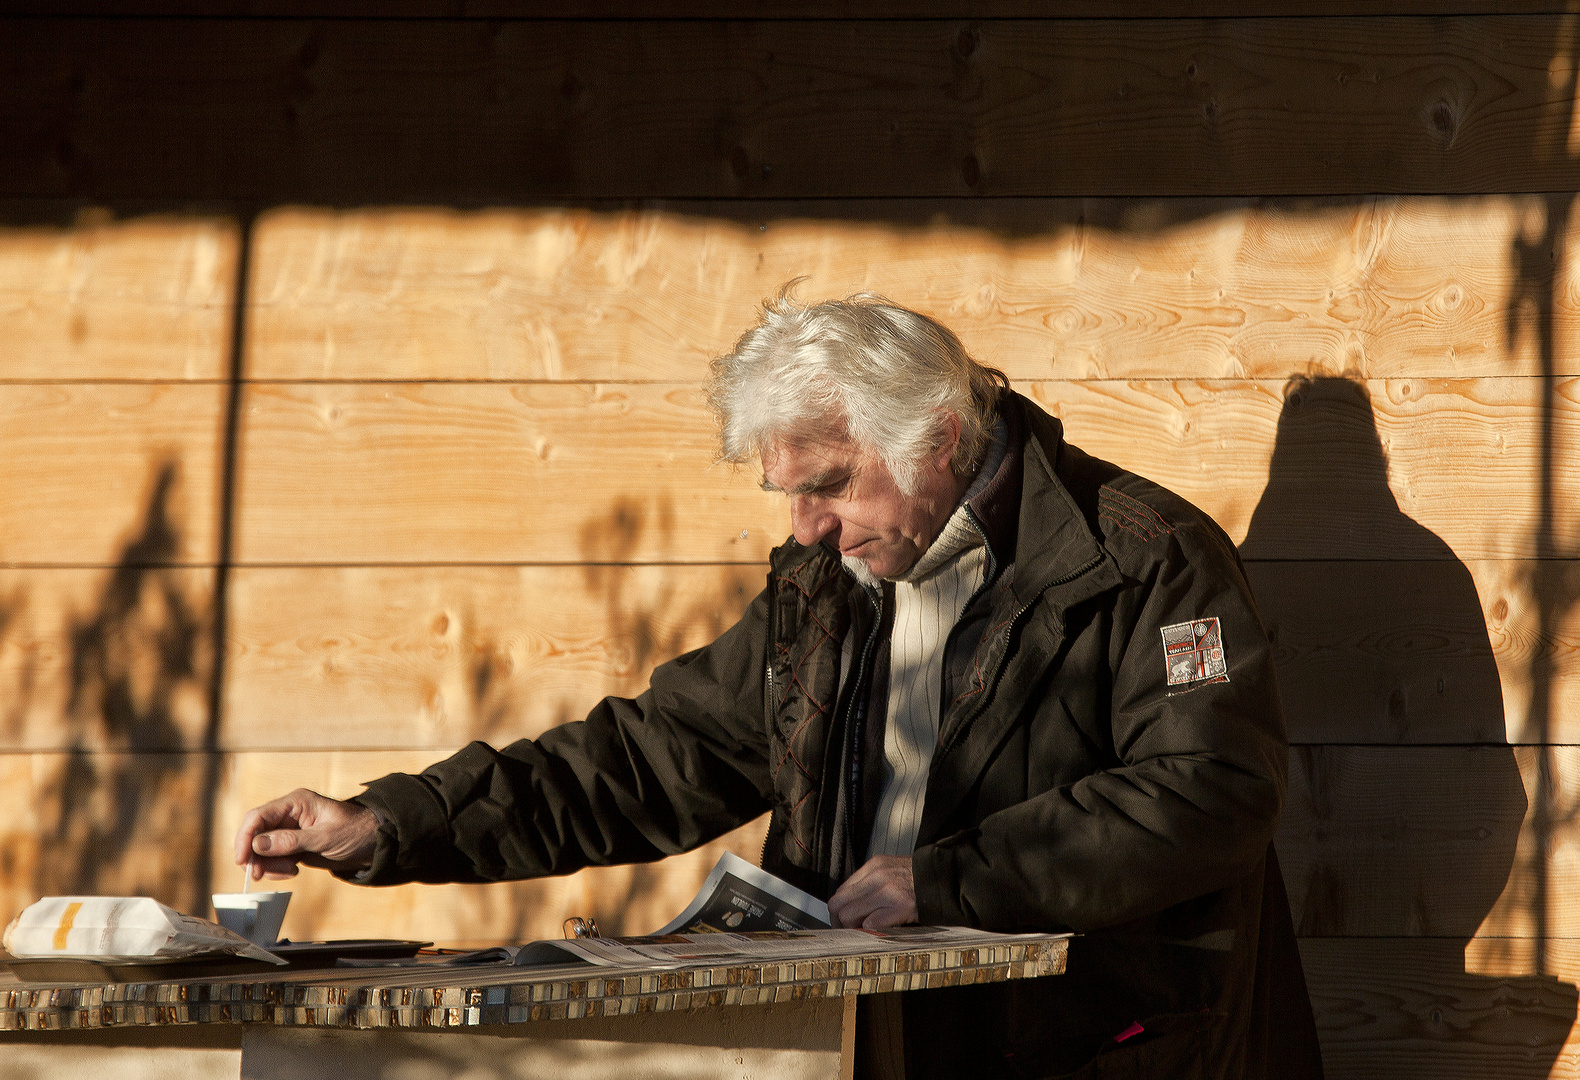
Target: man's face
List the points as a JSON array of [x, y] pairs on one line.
[[842, 496]]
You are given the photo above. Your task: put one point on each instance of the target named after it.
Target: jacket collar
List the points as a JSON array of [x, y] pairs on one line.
[[1054, 544]]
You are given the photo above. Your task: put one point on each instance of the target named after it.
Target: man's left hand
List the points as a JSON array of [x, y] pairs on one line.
[[881, 893]]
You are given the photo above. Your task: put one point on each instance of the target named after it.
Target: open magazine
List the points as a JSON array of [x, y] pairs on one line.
[[744, 914]]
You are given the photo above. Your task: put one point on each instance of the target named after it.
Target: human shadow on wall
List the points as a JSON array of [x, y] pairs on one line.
[[1405, 803], [122, 814]]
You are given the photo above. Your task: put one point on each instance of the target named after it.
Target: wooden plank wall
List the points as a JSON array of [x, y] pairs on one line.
[[349, 406]]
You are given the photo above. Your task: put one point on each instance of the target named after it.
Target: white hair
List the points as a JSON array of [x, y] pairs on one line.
[[862, 367]]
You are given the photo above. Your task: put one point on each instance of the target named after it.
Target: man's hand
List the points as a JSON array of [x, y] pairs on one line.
[[305, 827], [881, 893]]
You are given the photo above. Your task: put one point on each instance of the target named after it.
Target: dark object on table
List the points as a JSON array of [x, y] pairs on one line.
[[60, 970], [322, 954]]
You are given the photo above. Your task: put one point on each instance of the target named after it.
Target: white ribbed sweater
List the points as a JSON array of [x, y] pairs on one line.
[[928, 601], [927, 604]]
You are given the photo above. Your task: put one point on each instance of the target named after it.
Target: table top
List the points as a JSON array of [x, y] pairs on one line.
[[433, 995]]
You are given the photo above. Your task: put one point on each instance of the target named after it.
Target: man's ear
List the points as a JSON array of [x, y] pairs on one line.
[[947, 439]]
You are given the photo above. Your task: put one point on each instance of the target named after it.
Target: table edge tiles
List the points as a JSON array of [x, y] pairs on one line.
[[464, 997]]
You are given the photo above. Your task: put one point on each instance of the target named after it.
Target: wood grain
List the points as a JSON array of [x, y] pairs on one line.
[[109, 474], [506, 473], [478, 113], [488, 473], [1336, 469], [762, 9], [1448, 842], [1408, 1010], [431, 656], [119, 824], [1039, 288], [522, 472], [436, 656], [1424, 652], [148, 298], [105, 659], [409, 658], [1402, 840]]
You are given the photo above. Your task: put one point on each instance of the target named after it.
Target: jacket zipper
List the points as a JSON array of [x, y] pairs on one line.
[[768, 705], [1014, 620], [857, 689]]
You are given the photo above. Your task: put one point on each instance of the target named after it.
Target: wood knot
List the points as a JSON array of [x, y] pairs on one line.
[[1443, 121], [966, 41], [971, 170]]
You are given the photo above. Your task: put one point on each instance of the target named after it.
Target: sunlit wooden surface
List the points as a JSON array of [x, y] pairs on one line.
[[419, 403]]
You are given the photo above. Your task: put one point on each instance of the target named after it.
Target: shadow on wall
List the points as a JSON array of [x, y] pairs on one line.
[[1393, 854], [1553, 584], [648, 626], [122, 815], [651, 626]]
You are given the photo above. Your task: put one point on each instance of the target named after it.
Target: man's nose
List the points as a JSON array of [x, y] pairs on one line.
[[809, 521]]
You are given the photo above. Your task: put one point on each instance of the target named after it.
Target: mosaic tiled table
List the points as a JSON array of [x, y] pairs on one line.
[[777, 1018]]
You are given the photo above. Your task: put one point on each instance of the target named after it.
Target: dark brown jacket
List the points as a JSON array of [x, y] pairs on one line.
[[1074, 787]]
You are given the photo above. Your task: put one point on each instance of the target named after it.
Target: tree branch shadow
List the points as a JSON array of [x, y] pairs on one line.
[[118, 813]]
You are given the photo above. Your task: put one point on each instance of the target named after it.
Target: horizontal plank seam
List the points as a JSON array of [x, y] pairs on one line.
[[1272, 380], [963, 16], [575, 198], [1438, 937], [390, 565], [507, 564], [442, 748], [211, 207]]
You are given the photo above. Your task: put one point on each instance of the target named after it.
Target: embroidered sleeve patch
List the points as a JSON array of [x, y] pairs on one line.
[[1193, 652]]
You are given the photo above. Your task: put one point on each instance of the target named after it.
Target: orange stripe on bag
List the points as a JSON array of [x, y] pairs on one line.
[[67, 917]]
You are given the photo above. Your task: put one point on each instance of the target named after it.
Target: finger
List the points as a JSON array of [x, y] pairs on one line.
[[276, 869], [886, 915], [250, 824], [880, 900], [280, 843], [852, 907], [268, 816], [839, 905]]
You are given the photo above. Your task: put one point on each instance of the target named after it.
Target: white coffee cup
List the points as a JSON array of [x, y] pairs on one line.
[[256, 916]]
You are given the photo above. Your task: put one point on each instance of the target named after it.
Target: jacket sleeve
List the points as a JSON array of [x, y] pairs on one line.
[[1190, 803], [637, 780]]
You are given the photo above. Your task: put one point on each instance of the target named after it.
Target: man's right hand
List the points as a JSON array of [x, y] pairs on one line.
[[305, 827]]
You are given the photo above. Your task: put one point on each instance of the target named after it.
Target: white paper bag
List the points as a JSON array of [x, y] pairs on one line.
[[119, 929]]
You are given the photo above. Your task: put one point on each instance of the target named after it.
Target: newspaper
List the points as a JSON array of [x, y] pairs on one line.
[[740, 898], [745, 914], [769, 946]]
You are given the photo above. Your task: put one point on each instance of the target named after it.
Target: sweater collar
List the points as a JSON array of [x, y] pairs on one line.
[[960, 532]]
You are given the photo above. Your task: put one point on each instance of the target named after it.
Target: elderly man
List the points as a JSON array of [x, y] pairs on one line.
[[991, 682]]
